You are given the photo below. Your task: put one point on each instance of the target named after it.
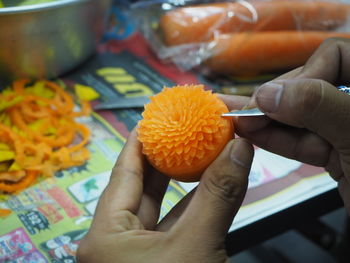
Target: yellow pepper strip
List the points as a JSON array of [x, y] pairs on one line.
[[6, 155]]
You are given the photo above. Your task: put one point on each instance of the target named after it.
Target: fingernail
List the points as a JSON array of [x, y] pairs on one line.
[[268, 96], [238, 155]]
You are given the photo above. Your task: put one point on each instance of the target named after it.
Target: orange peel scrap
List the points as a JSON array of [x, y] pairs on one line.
[[182, 131]]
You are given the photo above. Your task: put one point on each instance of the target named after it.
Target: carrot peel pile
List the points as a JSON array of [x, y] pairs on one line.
[[182, 131], [38, 133]]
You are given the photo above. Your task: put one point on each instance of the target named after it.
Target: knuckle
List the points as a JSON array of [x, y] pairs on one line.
[[334, 41], [330, 42], [225, 186], [126, 220], [124, 215]]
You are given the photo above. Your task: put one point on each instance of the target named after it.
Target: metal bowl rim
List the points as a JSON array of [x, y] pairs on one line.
[[40, 7]]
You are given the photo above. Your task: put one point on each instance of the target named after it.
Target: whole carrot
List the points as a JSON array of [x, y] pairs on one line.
[[261, 52], [200, 23]]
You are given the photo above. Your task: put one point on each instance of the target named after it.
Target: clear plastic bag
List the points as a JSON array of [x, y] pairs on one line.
[[239, 37]]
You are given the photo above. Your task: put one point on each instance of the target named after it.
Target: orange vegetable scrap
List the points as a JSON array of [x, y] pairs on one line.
[[182, 131], [38, 133], [5, 212]]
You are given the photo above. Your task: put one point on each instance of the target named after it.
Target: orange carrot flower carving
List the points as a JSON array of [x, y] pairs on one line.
[[182, 131]]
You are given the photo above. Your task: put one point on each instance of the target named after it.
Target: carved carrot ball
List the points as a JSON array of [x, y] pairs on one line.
[[182, 131]]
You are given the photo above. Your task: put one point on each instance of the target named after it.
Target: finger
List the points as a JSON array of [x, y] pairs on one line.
[[175, 213], [344, 190], [248, 124], [238, 102], [234, 102], [330, 62], [219, 195], [155, 187], [125, 188], [310, 104], [334, 166], [244, 123], [294, 143]]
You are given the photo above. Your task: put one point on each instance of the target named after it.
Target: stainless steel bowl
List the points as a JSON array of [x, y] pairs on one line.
[[47, 40]]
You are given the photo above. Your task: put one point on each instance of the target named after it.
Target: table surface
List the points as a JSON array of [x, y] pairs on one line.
[[290, 218]]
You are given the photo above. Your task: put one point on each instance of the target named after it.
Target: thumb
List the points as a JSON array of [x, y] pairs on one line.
[[308, 103], [219, 195]]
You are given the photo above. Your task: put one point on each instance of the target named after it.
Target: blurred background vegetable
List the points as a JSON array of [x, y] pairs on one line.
[[200, 23], [240, 38]]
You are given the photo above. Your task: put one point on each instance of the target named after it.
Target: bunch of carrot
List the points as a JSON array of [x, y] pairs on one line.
[[252, 37], [38, 133]]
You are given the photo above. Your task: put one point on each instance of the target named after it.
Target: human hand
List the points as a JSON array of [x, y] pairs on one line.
[[307, 117], [125, 226]]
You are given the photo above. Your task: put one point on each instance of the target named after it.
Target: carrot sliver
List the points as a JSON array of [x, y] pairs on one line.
[[12, 176], [85, 134], [37, 133], [5, 212], [19, 85], [22, 184]]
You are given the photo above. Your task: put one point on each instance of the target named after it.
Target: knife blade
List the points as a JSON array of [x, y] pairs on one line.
[[248, 112], [123, 103], [257, 112]]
